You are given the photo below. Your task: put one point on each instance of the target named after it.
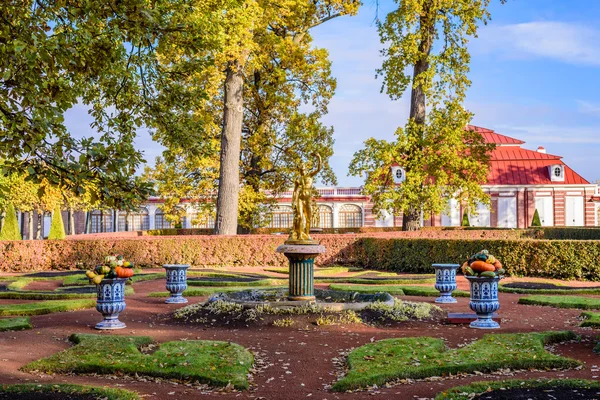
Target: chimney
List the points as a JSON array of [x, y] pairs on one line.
[[541, 149]]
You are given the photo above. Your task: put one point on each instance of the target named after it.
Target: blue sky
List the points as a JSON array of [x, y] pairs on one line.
[[535, 71], [535, 75]]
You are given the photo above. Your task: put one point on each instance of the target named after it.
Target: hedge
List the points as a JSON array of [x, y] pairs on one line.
[[562, 259]]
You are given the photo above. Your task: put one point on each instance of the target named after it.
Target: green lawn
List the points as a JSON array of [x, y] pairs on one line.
[[207, 291], [502, 288], [396, 290], [365, 281], [15, 324], [45, 307], [590, 319], [72, 390], [467, 392], [421, 357], [583, 303], [260, 282], [211, 362]]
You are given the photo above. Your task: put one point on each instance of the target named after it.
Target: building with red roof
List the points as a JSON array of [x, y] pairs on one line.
[[519, 182]]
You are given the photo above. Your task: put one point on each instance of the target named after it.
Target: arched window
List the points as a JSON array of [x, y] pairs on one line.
[[101, 221], [138, 220], [350, 216], [282, 217], [160, 222], [325, 216]]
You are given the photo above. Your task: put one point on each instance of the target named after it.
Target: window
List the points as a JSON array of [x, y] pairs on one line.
[[350, 216], [325, 217], [138, 220], [399, 173], [557, 172], [160, 222], [282, 217], [101, 221]]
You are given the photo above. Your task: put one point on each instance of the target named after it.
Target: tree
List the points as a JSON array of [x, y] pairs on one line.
[[55, 55], [465, 220], [536, 219], [270, 70], [426, 50], [57, 226], [10, 229]]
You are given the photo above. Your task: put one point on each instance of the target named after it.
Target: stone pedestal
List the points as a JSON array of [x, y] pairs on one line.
[[302, 261]]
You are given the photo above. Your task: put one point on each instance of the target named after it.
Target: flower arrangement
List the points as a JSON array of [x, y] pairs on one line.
[[114, 266], [483, 264]]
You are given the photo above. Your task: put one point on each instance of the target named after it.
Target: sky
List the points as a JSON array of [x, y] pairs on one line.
[[535, 73]]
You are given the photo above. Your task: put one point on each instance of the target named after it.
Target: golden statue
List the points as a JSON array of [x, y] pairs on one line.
[[302, 204]]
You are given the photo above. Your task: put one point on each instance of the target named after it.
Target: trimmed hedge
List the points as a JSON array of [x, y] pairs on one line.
[[559, 259]]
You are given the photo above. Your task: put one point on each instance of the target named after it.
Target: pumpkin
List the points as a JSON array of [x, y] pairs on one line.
[[497, 265], [124, 272], [481, 266]]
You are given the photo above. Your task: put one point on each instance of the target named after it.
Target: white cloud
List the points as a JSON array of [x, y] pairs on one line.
[[533, 134], [566, 42], [589, 108]]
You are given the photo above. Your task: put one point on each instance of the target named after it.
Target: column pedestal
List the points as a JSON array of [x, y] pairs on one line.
[[302, 260]]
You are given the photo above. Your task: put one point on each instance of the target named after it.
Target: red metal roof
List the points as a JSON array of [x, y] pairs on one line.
[[512, 165], [529, 172], [492, 137]]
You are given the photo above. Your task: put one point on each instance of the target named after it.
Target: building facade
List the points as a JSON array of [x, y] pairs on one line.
[[519, 182]]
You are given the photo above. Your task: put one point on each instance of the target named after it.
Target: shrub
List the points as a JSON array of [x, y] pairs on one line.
[[10, 230], [536, 219], [57, 227], [465, 219], [560, 259]]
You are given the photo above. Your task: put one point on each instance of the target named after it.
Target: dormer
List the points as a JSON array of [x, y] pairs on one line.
[[557, 173], [398, 174]]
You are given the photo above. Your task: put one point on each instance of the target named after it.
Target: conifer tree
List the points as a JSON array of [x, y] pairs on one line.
[[536, 219], [10, 230], [57, 227]]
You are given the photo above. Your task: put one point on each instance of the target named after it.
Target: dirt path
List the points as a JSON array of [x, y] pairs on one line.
[[301, 362]]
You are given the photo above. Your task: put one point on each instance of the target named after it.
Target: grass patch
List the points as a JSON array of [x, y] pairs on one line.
[[260, 282], [467, 392], [15, 324], [422, 357], [396, 290], [45, 307], [590, 319], [213, 274], [56, 295], [207, 291], [504, 289], [583, 303], [147, 277], [76, 280], [366, 281], [211, 362], [72, 390]]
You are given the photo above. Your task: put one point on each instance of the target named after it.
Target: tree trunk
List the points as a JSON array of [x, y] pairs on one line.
[[72, 222], [231, 136], [411, 219], [38, 232], [30, 223]]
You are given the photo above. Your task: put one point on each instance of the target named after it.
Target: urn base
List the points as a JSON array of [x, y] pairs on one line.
[[484, 322], [176, 300], [109, 323]]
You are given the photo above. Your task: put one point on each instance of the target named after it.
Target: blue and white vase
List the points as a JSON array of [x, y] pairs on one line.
[[445, 282], [111, 302], [176, 282], [484, 301]]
